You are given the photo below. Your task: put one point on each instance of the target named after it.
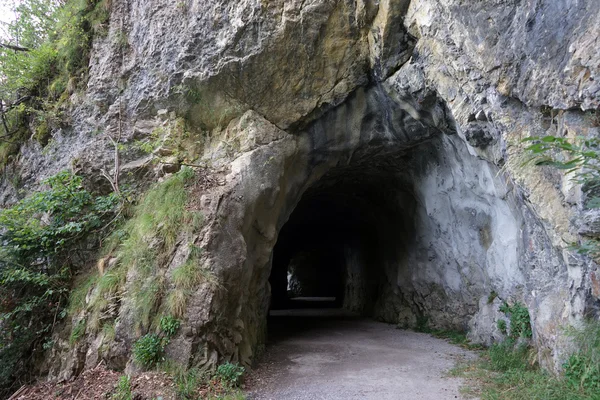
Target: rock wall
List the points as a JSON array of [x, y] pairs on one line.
[[419, 105]]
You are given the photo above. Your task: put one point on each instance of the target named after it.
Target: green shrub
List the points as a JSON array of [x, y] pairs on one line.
[[39, 234], [230, 374], [169, 325], [148, 350]]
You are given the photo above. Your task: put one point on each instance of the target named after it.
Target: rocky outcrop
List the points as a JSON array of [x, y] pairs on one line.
[[404, 116]]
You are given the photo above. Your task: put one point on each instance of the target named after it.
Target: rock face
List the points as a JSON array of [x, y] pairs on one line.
[[391, 128]]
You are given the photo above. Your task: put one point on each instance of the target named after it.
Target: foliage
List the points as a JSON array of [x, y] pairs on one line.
[[78, 331], [520, 321], [193, 383], [123, 390], [230, 374], [38, 235], [502, 326], [187, 381], [144, 244], [508, 371], [57, 36], [578, 158], [169, 325], [148, 350], [507, 356], [582, 369]]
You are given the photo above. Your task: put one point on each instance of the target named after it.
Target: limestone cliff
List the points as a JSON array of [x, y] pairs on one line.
[[408, 114]]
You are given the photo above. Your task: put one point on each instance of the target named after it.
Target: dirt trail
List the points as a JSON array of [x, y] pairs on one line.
[[349, 358]]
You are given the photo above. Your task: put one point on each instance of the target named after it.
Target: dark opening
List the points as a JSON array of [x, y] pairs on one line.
[[342, 244]]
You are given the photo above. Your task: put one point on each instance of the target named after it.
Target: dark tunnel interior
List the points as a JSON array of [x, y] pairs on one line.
[[342, 240]]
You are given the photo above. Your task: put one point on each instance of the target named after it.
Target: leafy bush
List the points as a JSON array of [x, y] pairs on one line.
[[230, 374], [169, 325], [148, 350], [38, 235]]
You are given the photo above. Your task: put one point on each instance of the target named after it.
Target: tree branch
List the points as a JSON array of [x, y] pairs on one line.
[[13, 47]]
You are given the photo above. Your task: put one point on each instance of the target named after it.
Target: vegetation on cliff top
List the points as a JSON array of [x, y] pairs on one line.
[[44, 56]]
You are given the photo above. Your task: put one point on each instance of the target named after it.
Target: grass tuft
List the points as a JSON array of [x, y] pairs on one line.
[[144, 246], [177, 302]]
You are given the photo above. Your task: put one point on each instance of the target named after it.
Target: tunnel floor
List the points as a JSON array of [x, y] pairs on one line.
[[315, 354]]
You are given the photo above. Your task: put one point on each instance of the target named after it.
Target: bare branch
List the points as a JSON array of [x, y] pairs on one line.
[[13, 47]]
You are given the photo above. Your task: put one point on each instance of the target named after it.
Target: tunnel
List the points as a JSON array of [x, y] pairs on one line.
[[344, 235], [378, 209]]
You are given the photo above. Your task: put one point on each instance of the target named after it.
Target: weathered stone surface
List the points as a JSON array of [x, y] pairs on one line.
[[413, 111]]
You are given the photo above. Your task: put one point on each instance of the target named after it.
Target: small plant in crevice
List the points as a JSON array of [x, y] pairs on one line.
[[502, 326], [493, 295], [78, 331], [230, 374], [169, 325], [520, 321]]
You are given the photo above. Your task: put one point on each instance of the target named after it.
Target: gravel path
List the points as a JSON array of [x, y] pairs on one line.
[[344, 359]]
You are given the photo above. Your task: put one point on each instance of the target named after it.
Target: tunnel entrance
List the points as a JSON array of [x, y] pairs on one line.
[[378, 208], [348, 228]]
